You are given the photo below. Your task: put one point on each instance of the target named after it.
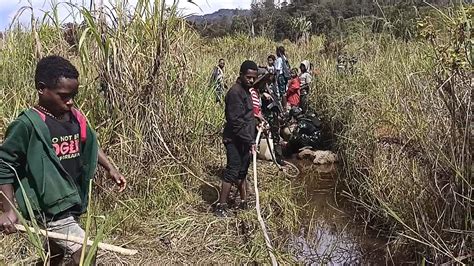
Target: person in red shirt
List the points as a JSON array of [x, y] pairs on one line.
[[293, 93]]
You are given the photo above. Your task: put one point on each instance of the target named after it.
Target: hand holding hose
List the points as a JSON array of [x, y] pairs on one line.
[[253, 149], [260, 128]]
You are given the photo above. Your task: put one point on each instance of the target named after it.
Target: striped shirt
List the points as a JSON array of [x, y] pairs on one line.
[[257, 107]]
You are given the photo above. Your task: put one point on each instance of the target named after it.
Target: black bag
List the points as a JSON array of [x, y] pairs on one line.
[[307, 134]]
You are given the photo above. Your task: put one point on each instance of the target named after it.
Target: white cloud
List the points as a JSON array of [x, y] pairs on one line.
[[209, 6], [8, 8]]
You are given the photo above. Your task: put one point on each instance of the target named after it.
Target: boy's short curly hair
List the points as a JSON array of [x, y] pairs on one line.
[[248, 65], [51, 68]]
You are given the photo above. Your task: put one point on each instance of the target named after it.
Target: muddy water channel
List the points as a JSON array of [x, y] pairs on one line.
[[330, 233]]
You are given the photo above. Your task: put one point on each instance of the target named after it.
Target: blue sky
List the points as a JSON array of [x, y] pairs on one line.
[[8, 8]]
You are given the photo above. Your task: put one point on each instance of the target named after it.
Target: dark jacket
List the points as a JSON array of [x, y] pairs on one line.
[[240, 123], [27, 148]]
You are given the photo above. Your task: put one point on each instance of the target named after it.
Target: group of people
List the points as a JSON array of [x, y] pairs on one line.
[[289, 85], [261, 98], [49, 153]]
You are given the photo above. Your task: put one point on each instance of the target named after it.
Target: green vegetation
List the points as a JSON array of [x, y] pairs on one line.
[[157, 120], [402, 124], [329, 17]]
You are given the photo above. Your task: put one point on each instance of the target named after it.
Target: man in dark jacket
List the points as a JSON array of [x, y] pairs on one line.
[[239, 136]]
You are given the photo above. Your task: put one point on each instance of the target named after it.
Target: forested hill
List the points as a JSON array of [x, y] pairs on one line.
[[312, 16]]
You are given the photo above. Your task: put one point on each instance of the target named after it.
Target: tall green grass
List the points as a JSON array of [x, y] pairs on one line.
[[404, 127], [144, 88]]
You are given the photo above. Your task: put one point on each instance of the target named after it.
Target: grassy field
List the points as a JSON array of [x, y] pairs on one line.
[[402, 124]]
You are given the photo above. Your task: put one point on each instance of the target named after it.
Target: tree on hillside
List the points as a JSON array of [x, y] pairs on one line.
[[241, 24], [301, 28], [325, 17]]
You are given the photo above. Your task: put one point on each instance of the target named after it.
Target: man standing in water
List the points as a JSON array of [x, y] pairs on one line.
[[239, 136], [217, 80]]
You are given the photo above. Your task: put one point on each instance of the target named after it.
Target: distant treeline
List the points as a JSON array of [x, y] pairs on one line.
[[324, 16]]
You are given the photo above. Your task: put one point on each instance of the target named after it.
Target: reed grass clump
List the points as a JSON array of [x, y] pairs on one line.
[[403, 123]]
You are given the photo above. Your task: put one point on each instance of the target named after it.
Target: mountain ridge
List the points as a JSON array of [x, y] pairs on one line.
[[219, 15]]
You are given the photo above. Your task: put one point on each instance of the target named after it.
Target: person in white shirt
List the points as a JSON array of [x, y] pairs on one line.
[[282, 71], [271, 63], [305, 79], [217, 80]]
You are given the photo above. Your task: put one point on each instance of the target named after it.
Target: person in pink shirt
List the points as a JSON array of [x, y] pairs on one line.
[[293, 93]]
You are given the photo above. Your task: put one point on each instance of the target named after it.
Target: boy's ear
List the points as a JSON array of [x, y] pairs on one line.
[[41, 87]]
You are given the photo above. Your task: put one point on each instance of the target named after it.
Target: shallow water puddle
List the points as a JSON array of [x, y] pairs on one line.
[[329, 233]]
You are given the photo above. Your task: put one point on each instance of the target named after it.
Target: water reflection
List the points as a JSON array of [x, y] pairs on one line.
[[323, 244], [329, 235]]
